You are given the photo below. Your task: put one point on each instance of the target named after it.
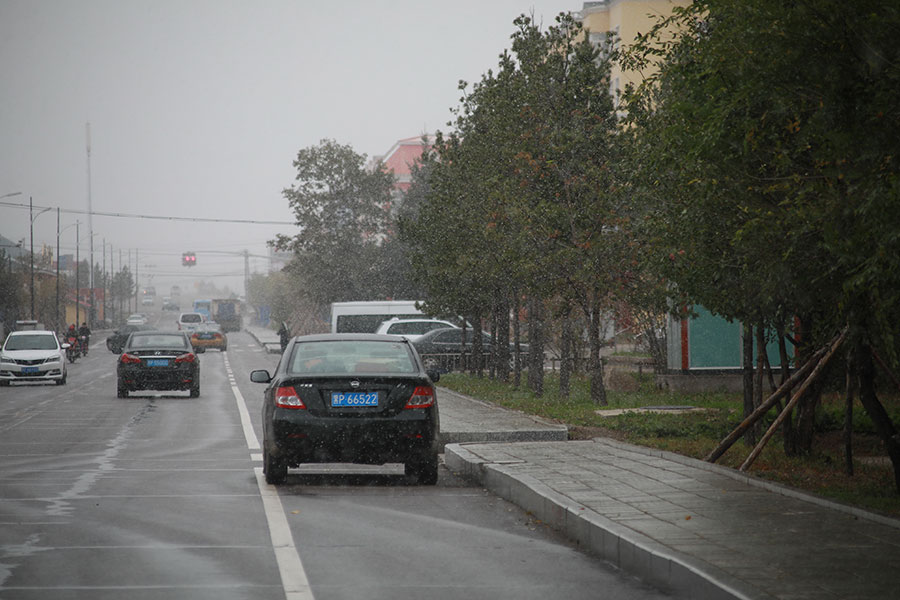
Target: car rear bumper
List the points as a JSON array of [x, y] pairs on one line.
[[169, 379], [300, 438]]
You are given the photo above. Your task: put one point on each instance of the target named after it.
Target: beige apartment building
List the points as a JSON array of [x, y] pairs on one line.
[[623, 20]]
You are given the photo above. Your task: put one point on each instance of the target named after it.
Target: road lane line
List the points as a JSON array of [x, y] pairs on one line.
[[246, 423], [293, 575]]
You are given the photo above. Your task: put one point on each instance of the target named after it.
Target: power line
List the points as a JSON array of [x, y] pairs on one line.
[[154, 217]]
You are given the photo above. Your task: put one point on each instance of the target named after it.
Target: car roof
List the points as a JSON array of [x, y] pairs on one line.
[[32, 332], [348, 337]]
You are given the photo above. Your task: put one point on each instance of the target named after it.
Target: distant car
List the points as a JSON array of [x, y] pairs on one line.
[[169, 305], [116, 340], [208, 336], [147, 301], [360, 398], [136, 319], [189, 321], [158, 360], [32, 356], [437, 344], [411, 329]]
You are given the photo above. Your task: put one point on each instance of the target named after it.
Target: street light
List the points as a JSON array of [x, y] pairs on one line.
[[33, 217]]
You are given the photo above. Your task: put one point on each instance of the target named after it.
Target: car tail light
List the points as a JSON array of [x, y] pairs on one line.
[[287, 397], [188, 357], [129, 359], [422, 397]]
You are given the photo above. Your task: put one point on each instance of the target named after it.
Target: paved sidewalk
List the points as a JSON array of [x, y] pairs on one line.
[[265, 337], [699, 529]]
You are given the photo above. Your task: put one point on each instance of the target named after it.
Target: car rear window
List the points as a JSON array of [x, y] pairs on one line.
[[351, 357], [161, 341], [191, 318], [31, 342], [415, 327]]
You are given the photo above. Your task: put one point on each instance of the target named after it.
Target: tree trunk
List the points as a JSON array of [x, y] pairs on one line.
[[868, 398], [536, 343], [501, 342], [747, 365], [760, 368], [787, 429], [477, 347], [598, 390], [517, 357], [848, 417], [565, 369], [806, 407]]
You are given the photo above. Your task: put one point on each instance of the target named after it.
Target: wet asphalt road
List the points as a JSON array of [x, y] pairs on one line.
[[159, 496]]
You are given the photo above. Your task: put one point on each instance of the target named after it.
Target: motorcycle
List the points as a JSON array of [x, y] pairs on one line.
[[83, 345], [72, 352]]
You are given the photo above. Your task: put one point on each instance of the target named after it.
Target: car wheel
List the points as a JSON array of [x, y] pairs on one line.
[[195, 391], [423, 469], [61, 380], [4, 383], [121, 391], [274, 469]]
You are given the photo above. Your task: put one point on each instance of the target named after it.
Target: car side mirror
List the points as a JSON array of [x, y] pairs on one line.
[[435, 376], [65, 345], [260, 376]]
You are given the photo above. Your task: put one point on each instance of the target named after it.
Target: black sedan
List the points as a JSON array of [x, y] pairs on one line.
[[358, 398], [443, 346], [116, 341], [158, 360]]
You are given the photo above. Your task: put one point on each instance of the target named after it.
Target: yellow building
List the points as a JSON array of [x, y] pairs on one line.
[[624, 19]]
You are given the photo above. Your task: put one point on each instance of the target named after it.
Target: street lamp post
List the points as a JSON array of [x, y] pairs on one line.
[[33, 217]]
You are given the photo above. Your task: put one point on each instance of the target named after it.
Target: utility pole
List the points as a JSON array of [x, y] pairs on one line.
[[91, 313], [246, 274]]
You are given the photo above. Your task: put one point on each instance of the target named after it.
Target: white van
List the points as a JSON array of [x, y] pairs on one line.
[[365, 317]]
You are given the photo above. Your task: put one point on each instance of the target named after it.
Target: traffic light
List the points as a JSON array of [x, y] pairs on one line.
[[188, 259]]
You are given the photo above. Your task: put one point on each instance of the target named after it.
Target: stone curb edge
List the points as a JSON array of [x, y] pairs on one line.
[[752, 480], [268, 347], [634, 553]]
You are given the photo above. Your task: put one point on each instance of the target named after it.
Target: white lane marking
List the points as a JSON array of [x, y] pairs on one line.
[[246, 423], [293, 575]]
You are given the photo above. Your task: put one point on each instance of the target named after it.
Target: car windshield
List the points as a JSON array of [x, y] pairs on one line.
[[351, 356], [157, 341], [31, 342]]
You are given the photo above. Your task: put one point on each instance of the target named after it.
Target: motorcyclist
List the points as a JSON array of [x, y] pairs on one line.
[[84, 334]]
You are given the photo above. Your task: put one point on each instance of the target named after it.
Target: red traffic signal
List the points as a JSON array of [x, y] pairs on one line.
[[188, 259]]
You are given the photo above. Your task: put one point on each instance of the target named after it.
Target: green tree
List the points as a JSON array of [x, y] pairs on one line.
[[769, 175], [342, 211]]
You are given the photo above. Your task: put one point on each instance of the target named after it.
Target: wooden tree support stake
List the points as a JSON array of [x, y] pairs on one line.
[[796, 398], [763, 408]]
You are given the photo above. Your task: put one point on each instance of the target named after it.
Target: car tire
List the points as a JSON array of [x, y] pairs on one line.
[[121, 391], [61, 380], [275, 470], [423, 469], [4, 383], [195, 391]]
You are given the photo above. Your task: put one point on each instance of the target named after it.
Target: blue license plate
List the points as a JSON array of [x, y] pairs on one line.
[[348, 399], [29, 369], [157, 362]]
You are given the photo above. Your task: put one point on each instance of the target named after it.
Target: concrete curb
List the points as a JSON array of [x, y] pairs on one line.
[[629, 550], [269, 347]]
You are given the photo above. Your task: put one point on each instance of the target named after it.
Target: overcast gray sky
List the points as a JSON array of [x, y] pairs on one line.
[[198, 107]]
